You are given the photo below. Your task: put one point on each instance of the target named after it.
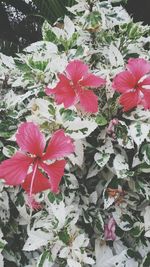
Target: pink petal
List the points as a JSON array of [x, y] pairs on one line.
[[139, 67], [88, 101], [124, 81], [109, 229], [111, 224], [129, 100], [30, 139], [146, 100], [49, 91], [76, 70], [92, 80], [63, 81], [40, 183], [146, 81], [64, 92], [55, 171], [59, 146], [14, 170]]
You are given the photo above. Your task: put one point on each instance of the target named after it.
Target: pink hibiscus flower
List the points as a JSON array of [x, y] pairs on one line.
[[28, 167], [134, 84], [72, 87]]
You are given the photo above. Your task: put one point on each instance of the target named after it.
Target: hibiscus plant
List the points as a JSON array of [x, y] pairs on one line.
[[75, 143]]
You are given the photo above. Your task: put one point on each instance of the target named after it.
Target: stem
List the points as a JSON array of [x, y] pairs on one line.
[[30, 193], [90, 3]]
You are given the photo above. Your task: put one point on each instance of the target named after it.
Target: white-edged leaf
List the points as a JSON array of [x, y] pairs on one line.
[[125, 140], [44, 261], [147, 221], [69, 27], [59, 212], [38, 46], [64, 253], [121, 167], [103, 156], [78, 157], [40, 107], [11, 99], [103, 253], [108, 202], [9, 151], [124, 225], [24, 216], [93, 197], [4, 207], [7, 61], [139, 131], [73, 263], [93, 170], [57, 64], [115, 57], [1, 260], [80, 241], [80, 128], [73, 181], [56, 248], [87, 260], [36, 240], [106, 258]]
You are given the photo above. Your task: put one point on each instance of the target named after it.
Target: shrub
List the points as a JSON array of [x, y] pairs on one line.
[[85, 87]]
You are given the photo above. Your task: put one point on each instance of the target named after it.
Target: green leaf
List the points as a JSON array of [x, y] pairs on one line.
[[67, 114], [53, 197], [64, 236], [134, 254], [136, 231], [45, 255], [47, 33], [145, 150], [146, 261], [101, 120], [9, 151]]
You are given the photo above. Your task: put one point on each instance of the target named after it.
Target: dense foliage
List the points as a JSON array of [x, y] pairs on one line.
[[85, 87], [22, 21]]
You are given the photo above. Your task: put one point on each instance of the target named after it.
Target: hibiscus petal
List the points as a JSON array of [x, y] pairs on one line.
[[65, 82], [40, 183], [30, 139], [59, 146], [146, 81], [92, 80], [55, 171], [88, 101], [139, 67], [146, 100], [14, 170], [49, 91], [124, 81], [76, 70], [129, 100], [64, 93]]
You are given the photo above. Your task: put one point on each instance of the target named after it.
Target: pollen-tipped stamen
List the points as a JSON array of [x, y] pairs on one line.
[[33, 177]]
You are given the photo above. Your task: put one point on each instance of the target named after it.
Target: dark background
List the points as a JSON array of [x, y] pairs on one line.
[[20, 23], [140, 10]]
